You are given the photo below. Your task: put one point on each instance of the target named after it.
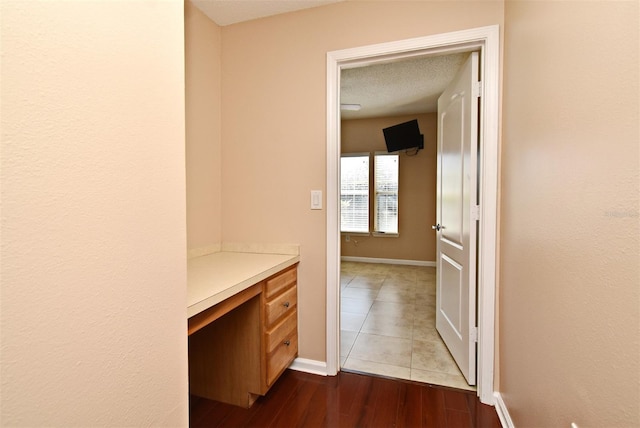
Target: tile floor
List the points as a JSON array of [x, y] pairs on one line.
[[387, 324]]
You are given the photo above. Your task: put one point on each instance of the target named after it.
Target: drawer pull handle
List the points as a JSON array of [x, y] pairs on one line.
[[287, 342], [285, 304]]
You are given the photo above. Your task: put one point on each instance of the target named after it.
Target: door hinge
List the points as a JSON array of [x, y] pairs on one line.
[[477, 89], [473, 335], [475, 212]]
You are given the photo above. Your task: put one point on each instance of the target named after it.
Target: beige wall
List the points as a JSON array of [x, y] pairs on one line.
[[569, 300], [203, 149], [416, 194], [93, 214], [274, 119]]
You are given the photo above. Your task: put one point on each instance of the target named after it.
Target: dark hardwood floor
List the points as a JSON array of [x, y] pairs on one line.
[[349, 400]]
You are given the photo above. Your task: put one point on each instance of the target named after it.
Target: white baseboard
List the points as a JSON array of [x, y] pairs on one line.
[[387, 261], [503, 412], [309, 366]]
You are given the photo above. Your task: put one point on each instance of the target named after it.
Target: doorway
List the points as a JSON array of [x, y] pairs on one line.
[[486, 40], [388, 269]]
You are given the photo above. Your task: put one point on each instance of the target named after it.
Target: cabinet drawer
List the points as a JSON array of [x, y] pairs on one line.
[[281, 332], [280, 305], [282, 356], [280, 282]]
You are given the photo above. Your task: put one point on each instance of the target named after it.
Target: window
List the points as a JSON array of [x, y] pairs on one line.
[[386, 193], [354, 193], [356, 187]]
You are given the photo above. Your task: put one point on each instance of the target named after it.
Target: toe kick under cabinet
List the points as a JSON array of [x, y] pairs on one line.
[[239, 347]]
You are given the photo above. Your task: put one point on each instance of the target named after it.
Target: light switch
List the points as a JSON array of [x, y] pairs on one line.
[[316, 199]]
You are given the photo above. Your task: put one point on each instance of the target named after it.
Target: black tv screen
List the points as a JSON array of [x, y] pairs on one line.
[[403, 136]]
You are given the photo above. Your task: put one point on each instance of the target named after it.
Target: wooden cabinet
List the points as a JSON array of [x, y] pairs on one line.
[[247, 341], [280, 324]]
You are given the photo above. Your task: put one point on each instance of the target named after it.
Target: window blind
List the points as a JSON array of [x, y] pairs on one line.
[[354, 193], [386, 168]]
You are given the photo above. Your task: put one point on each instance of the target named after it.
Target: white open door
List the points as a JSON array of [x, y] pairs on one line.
[[457, 215]]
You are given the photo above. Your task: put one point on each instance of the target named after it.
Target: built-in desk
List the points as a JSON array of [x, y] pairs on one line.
[[242, 310]]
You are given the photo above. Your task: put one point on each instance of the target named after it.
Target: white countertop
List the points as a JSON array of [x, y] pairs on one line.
[[212, 278]]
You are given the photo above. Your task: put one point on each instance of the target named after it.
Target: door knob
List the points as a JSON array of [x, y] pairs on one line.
[[437, 227]]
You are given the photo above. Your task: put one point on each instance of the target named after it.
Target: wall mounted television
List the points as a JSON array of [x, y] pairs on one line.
[[403, 136]]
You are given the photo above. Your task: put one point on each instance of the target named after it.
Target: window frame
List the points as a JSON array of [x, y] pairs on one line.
[[372, 193], [376, 228], [368, 216]]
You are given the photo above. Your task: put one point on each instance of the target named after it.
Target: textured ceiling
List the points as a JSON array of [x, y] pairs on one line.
[[227, 12], [409, 86]]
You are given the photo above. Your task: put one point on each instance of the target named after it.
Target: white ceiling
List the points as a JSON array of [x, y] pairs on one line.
[[403, 87], [227, 12]]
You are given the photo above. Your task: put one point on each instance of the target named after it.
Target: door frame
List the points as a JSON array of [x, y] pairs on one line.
[[487, 40]]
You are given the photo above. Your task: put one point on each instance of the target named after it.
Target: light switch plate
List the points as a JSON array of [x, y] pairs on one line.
[[316, 199]]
